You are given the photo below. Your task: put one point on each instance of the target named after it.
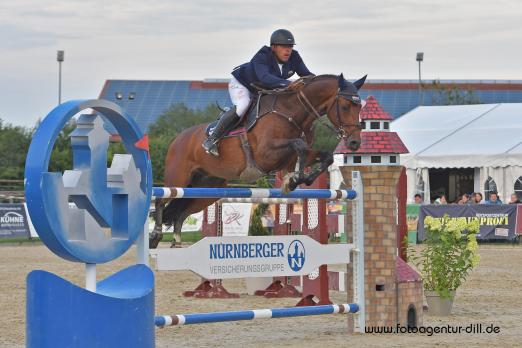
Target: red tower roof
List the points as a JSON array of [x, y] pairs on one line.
[[405, 273], [373, 111], [376, 142]]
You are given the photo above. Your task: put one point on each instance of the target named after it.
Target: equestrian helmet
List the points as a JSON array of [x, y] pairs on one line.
[[282, 37]]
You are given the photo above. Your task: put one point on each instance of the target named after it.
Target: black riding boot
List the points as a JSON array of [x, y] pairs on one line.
[[226, 121]]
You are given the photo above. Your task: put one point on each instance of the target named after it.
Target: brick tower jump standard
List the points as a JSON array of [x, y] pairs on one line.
[[393, 289]]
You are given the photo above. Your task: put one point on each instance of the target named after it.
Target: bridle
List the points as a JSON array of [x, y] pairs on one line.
[[341, 131]]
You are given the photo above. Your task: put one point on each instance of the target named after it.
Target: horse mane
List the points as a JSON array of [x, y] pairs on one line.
[[343, 84], [306, 80], [324, 76]]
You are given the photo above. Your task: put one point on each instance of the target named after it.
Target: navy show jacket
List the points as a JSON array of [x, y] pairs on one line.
[[263, 70]]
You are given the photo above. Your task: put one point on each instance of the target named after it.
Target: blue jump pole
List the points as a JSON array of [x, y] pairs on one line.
[[204, 192], [216, 317]]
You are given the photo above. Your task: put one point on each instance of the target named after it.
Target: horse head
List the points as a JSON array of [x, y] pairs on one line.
[[344, 111]]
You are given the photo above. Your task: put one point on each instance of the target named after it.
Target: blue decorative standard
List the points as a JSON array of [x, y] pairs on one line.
[[90, 214], [62, 314]]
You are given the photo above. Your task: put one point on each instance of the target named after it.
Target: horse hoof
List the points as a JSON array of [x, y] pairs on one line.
[[288, 184], [309, 182], [285, 185], [154, 239], [153, 243]]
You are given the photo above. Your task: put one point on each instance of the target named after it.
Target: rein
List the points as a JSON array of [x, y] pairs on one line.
[[340, 131]]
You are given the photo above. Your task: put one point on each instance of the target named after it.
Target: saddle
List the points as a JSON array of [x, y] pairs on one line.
[[263, 101]]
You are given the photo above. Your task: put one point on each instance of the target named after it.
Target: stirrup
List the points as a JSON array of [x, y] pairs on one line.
[[211, 149]]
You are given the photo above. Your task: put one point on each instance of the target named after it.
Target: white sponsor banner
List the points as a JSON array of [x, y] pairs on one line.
[[236, 219], [502, 232], [193, 223], [254, 256]]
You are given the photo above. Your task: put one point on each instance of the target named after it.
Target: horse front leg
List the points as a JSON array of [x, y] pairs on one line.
[[294, 179], [323, 158]]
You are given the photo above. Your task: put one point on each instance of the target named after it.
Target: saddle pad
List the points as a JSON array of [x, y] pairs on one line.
[[254, 112]]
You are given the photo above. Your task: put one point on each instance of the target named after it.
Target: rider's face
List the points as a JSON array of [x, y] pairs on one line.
[[282, 52]]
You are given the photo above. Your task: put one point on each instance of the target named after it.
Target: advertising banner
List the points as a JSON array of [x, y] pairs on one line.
[[13, 221], [254, 256], [496, 221], [236, 219]]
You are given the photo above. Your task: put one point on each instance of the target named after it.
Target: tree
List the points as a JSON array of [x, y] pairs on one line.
[[256, 225], [61, 156], [178, 118], [451, 94], [14, 144], [324, 138], [161, 133]]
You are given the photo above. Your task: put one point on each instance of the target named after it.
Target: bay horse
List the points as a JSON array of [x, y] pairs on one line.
[[281, 140]]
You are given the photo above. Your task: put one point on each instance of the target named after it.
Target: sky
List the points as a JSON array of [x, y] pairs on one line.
[[194, 40]]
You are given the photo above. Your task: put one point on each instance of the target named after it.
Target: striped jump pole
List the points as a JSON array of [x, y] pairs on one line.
[[205, 192], [262, 200], [217, 317]]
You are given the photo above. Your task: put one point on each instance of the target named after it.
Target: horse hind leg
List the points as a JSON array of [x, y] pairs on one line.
[[176, 230], [174, 215], [179, 209], [194, 206], [157, 233]]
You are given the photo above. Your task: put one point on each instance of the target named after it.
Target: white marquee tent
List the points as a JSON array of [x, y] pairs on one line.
[[485, 137]]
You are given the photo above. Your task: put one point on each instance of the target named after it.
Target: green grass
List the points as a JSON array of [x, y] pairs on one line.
[[186, 237], [19, 240]]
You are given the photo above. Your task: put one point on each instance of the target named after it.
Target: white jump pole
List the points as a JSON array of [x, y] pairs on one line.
[[358, 252]]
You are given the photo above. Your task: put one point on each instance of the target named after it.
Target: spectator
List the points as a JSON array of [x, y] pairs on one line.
[[418, 198], [441, 200], [494, 199], [514, 199], [458, 200], [465, 199], [477, 198]]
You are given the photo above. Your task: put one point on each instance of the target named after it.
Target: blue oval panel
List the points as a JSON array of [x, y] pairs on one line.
[[91, 213]]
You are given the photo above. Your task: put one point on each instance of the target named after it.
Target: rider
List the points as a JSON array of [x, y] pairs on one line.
[[270, 68]]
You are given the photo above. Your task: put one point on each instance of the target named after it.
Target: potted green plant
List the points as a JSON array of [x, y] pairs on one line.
[[449, 253]]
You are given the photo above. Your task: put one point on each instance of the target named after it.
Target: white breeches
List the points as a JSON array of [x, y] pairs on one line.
[[239, 95]]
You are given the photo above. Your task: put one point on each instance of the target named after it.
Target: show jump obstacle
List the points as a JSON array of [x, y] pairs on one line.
[[94, 214], [312, 289]]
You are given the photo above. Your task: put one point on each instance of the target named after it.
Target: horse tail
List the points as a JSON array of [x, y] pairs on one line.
[[171, 211], [177, 208]]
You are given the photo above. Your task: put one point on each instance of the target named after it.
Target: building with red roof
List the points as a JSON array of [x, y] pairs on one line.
[[379, 146]]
